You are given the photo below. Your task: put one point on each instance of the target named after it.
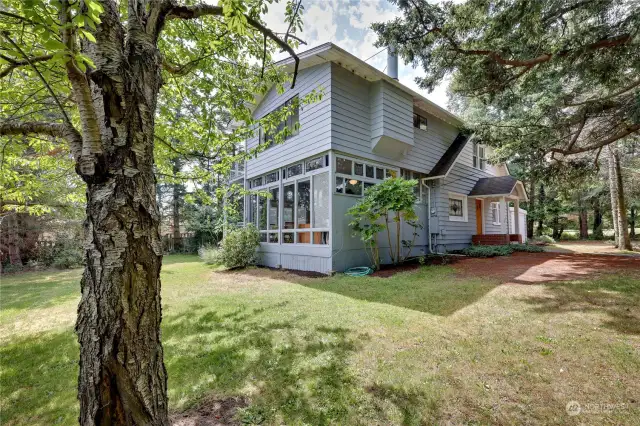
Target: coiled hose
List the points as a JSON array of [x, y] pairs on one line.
[[359, 271]]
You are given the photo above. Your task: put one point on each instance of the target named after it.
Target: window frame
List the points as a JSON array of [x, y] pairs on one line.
[[418, 118], [280, 184], [495, 205], [479, 162], [465, 207], [363, 179], [294, 127], [409, 174]]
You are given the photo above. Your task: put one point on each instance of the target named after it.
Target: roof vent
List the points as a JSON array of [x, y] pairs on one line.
[[392, 62]]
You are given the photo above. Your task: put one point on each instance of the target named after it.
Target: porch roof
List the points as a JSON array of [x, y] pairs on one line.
[[499, 186]]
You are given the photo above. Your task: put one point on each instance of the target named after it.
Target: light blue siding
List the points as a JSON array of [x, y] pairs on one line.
[[315, 122]]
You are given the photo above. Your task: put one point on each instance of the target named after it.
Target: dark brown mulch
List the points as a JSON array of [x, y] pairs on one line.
[[211, 412]]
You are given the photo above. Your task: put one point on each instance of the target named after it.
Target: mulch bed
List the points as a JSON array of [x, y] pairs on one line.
[[531, 268]]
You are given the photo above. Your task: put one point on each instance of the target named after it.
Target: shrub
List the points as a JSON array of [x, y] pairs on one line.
[[543, 240], [504, 250], [487, 251], [237, 248], [569, 236], [529, 248], [66, 253]]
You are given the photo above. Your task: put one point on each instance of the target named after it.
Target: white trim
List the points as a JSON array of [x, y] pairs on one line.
[[465, 207], [495, 204]]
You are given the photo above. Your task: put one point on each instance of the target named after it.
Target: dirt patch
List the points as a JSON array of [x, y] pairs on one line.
[[529, 268], [591, 247], [211, 412]]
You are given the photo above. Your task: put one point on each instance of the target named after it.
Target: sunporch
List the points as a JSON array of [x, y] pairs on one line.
[[499, 219]]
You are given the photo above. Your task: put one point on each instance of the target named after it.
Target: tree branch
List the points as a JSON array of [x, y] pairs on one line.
[[55, 130], [613, 95], [13, 63], [621, 134], [199, 10]]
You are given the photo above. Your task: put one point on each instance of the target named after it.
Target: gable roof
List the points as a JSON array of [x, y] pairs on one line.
[[329, 52], [498, 185], [448, 159]]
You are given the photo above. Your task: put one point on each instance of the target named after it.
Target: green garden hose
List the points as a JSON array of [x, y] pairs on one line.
[[359, 271]]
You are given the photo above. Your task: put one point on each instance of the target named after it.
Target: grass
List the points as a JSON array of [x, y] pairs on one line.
[[421, 347]]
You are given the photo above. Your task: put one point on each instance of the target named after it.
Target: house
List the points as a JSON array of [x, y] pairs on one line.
[[367, 127]]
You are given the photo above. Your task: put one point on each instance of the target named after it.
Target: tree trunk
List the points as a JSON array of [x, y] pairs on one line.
[[13, 240], [597, 219], [632, 223], [624, 243], [532, 209], [614, 195], [584, 225], [176, 206], [122, 378], [540, 210]]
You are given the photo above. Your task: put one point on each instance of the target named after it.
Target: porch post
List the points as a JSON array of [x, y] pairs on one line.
[[504, 212], [516, 216]]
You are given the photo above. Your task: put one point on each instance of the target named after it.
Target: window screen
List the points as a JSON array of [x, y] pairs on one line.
[[321, 200]]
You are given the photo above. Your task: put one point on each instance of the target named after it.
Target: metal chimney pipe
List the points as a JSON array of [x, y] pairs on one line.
[[392, 62]]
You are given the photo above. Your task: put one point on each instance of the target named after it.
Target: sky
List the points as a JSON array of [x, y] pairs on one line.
[[347, 24]]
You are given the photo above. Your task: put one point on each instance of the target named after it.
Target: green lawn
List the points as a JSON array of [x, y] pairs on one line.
[[424, 347]]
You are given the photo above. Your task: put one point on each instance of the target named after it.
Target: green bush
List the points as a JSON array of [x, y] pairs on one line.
[[544, 239], [529, 248], [569, 236], [504, 250], [66, 253], [237, 249], [487, 251]]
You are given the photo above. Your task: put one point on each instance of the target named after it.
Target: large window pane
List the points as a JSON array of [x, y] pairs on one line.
[[315, 163], [321, 200], [304, 204], [273, 208], [253, 209], [353, 187], [343, 166], [262, 213], [294, 170], [339, 185], [288, 206]]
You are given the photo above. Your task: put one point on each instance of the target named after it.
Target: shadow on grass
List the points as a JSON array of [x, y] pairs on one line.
[[435, 289], [294, 375], [38, 380], [618, 296]]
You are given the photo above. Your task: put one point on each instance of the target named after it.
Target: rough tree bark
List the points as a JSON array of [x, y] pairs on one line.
[[623, 241], [122, 378], [532, 209], [614, 197], [584, 225], [597, 219], [540, 211]]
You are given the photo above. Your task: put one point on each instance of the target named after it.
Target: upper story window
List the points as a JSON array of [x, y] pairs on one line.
[[419, 122], [479, 156], [419, 190], [291, 123]]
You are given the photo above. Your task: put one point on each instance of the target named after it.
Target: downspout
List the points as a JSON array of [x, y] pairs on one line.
[[428, 214]]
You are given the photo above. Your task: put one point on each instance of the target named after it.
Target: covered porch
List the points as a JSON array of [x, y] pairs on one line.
[[499, 219]]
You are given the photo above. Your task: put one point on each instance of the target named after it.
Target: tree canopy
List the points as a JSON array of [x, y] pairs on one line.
[[531, 77]]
